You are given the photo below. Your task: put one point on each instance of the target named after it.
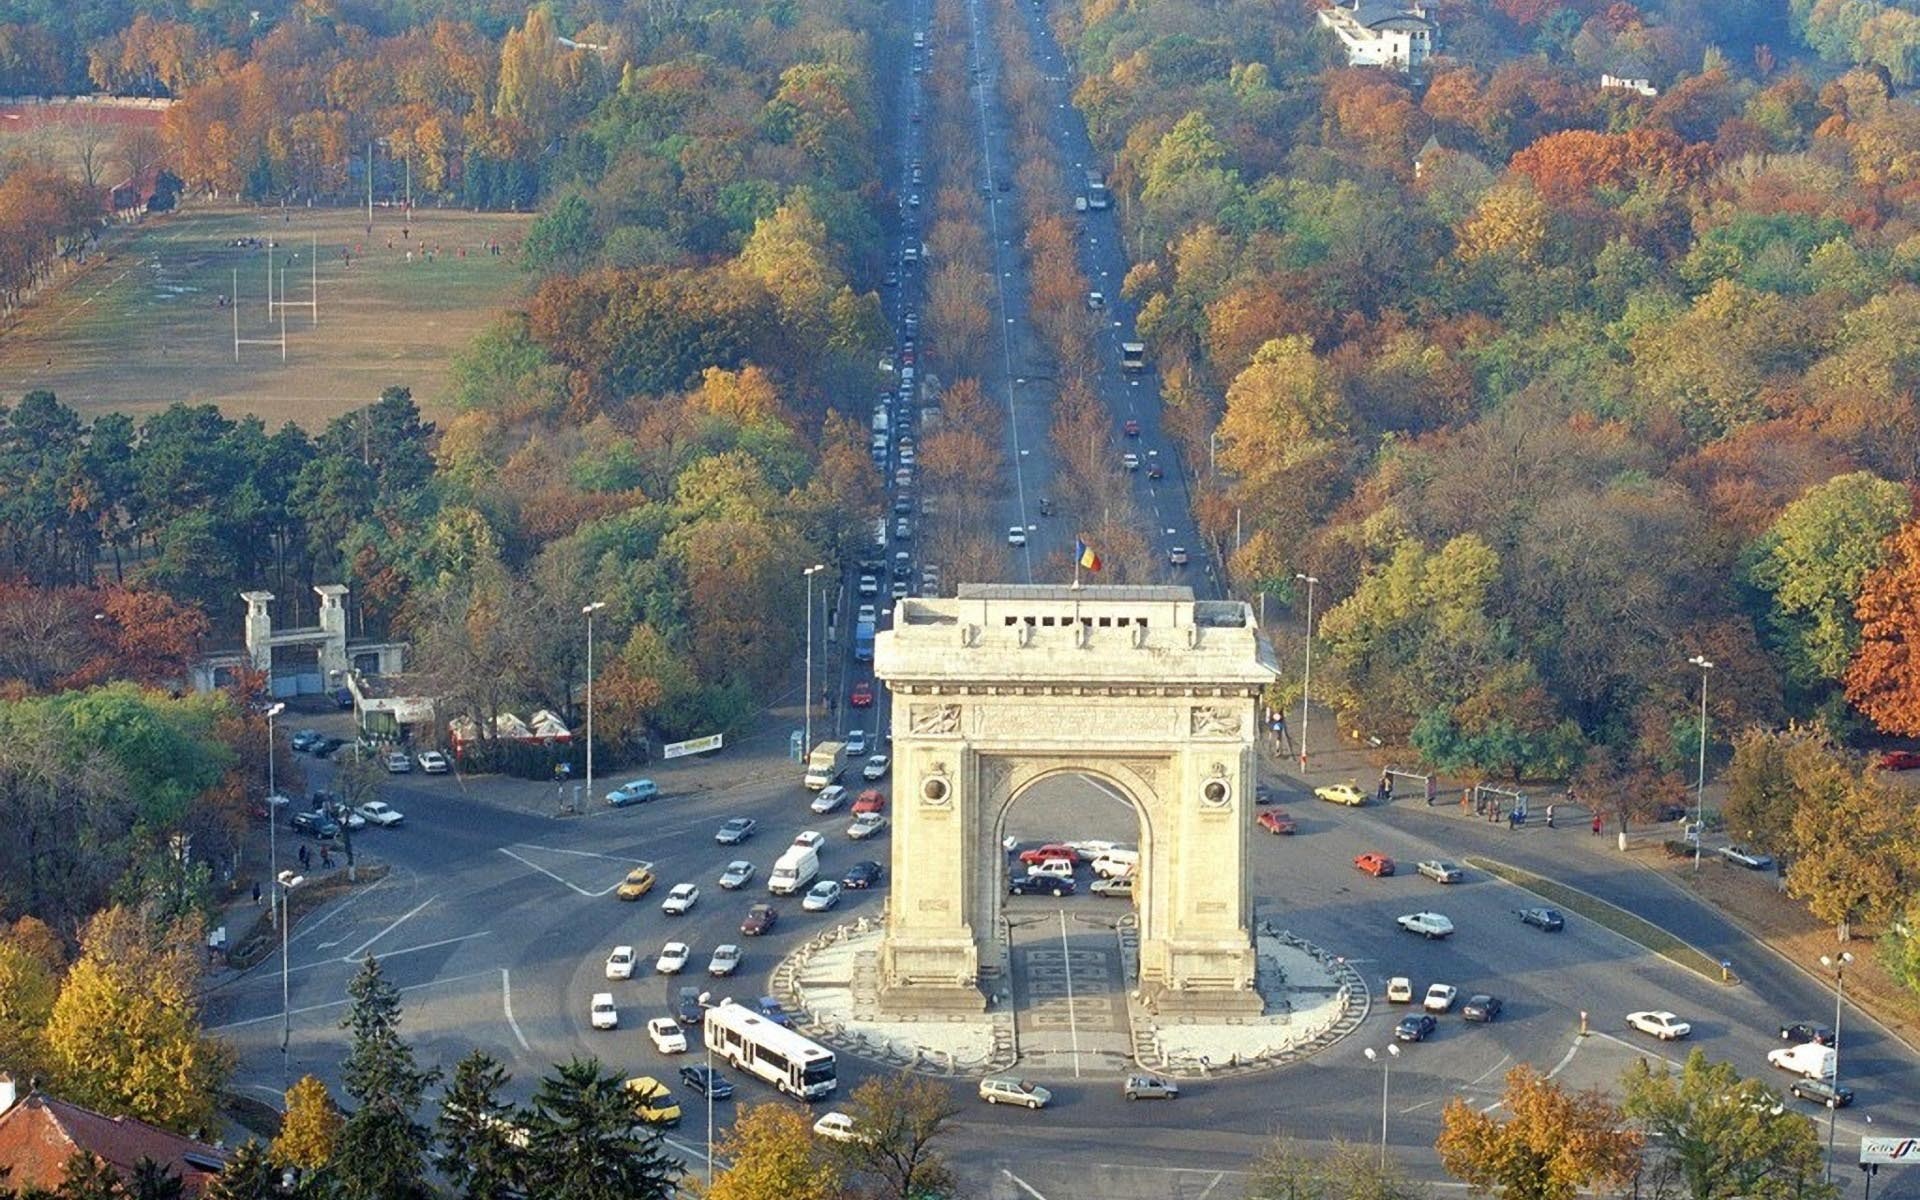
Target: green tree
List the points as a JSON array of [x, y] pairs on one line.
[[311, 1128], [154, 1181], [250, 1174], [1284, 1171], [1854, 850], [584, 1144], [562, 239], [479, 1148], [1722, 1136], [902, 1117], [382, 1148], [88, 1177], [771, 1154], [1552, 1145]]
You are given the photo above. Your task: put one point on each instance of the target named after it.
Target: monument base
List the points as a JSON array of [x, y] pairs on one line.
[[920, 999], [1166, 1001]]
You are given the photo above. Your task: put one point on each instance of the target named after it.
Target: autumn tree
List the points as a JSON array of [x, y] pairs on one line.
[[1883, 680], [1853, 844], [1762, 794], [1284, 1170], [902, 1117], [310, 1129], [771, 1154], [1552, 1145]]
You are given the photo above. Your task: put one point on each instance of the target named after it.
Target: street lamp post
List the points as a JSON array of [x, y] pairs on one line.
[[1306, 680], [807, 698], [1386, 1074], [1213, 453], [1700, 784], [273, 824], [588, 611], [709, 1046], [1838, 965], [284, 883]]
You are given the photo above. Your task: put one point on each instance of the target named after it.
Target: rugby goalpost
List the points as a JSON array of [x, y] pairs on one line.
[[312, 302], [239, 341]]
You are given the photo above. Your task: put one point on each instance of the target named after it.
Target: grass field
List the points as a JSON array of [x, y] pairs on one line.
[[142, 327]]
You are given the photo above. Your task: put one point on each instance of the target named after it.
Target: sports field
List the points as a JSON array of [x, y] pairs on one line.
[[145, 326]]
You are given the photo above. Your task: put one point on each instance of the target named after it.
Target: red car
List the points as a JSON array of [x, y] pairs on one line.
[[871, 800], [1899, 760], [1037, 856], [862, 695], [1275, 820], [1131, 428], [1374, 864]]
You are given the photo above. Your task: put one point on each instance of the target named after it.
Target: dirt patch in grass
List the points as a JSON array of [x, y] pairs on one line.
[[1754, 901], [1622, 922]]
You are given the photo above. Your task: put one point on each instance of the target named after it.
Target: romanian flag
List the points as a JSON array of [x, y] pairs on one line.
[[1083, 555]]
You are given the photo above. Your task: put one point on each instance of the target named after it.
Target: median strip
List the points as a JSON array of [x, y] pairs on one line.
[[1635, 929]]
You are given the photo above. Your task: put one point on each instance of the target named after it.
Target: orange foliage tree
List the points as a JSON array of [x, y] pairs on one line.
[[1883, 681]]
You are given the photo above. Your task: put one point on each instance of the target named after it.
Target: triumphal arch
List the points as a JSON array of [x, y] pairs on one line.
[[1145, 689]]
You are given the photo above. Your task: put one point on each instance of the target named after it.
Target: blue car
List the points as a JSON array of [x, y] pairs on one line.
[[771, 1008]]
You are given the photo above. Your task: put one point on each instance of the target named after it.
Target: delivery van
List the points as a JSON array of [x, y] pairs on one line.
[[794, 871]]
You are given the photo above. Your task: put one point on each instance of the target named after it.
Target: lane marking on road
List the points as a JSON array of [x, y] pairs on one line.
[[556, 878], [354, 954], [313, 1008], [1214, 1183], [349, 960], [1566, 1059], [1504, 1060], [315, 923], [1022, 1184], [506, 1000], [592, 853], [1066, 966], [1635, 1047]]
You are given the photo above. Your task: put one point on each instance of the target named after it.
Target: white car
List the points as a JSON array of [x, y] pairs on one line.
[[725, 960], [1400, 990], [376, 812], [1663, 1025], [735, 877], [1016, 536], [866, 825], [620, 963], [680, 900], [1427, 924], [433, 762], [836, 1127], [876, 767], [809, 839], [823, 896], [673, 958], [1753, 860], [667, 1036], [605, 1015], [831, 797], [399, 764], [1440, 997]]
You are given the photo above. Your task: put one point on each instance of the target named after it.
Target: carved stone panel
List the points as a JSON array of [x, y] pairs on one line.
[[1092, 720], [933, 720], [1213, 720]]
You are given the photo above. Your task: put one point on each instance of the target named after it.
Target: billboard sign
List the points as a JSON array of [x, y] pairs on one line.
[[1899, 1150], [692, 746]]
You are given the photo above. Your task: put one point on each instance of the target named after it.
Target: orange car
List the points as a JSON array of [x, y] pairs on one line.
[[872, 800], [1275, 820], [1374, 864]]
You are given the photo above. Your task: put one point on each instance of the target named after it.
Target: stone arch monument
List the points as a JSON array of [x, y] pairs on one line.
[[1145, 688]]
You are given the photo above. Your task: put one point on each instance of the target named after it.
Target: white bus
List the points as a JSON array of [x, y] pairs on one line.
[[796, 1065]]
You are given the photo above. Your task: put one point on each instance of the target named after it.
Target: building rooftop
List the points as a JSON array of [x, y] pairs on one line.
[[40, 1133]]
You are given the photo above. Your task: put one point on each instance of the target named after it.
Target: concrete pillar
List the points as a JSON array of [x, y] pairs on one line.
[[259, 629], [334, 663]]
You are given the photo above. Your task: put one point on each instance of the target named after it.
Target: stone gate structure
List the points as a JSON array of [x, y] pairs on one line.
[[1144, 688]]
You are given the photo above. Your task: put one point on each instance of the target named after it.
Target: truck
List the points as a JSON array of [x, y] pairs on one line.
[[794, 871], [1096, 190], [1133, 356], [826, 764], [863, 641]]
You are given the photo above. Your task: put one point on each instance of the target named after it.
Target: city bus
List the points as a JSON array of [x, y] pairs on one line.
[[795, 1064]]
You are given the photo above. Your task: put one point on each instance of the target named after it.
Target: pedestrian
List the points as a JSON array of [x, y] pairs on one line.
[[1549, 816], [256, 893], [306, 859], [1596, 824], [326, 857]]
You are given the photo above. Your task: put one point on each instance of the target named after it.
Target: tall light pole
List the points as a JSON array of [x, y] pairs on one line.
[[1386, 1074], [588, 611], [273, 822], [283, 885], [1306, 680], [1700, 784], [807, 699], [1838, 965], [709, 1045]]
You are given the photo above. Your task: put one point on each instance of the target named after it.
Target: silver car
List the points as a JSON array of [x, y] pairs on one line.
[[1150, 1087]]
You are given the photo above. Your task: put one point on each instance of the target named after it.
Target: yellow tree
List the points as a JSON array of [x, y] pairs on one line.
[[1511, 220], [1554, 1145], [125, 1032], [310, 1128], [773, 1156], [28, 987]]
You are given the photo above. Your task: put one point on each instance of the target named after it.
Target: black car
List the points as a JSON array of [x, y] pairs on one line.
[[760, 918], [1801, 1032], [1040, 885], [1481, 1008], [1548, 919], [1821, 1092], [691, 1012], [705, 1081], [1415, 1028], [325, 747], [315, 824], [862, 875]]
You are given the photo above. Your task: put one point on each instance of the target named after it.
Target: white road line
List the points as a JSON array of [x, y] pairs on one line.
[[315, 923], [590, 853], [1504, 1060], [1022, 1184], [1066, 966], [1208, 1190], [506, 1001], [312, 1008], [350, 961], [357, 951], [1568, 1058], [550, 875], [1636, 1047]]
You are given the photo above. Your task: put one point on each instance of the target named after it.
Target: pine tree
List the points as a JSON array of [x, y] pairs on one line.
[[584, 1144], [382, 1150], [87, 1177], [480, 1139], [154, 1181], [249, 1175]]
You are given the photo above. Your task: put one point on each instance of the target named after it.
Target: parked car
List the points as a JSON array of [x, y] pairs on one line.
[[1341, 793], [1441, 871], [1548, 920], [399, 764], [325, 747], [861, 875], [315, 825], [703, 1080], [667, 1036], [433, 762], [1440, 997], [1374, 863], [1415, 1027], [379, 812], [760, 919], [1430, 925], [1275, 820], [1039, 885], [1753, 860], [620, 963], [673, 958], [1003, 1090], [1481, 1007], [725, 960], [1149, 1087], [735, 831], [680, 900], [1899, 760], [602, 1013], [637, 791], [305, 739], [735, 877], [1660, 1024]]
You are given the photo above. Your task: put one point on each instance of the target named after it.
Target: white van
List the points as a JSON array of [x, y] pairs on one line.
[[1112, 864], [1810, 1060], [794, 871]]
